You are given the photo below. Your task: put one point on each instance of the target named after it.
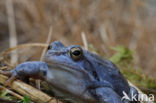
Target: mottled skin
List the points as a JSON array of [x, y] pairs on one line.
[[76, 75]]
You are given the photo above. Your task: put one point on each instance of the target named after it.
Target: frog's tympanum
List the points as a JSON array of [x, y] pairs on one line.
[[76, 75]]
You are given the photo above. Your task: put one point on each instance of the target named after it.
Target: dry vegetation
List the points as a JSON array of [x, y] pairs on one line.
[[106, 23]]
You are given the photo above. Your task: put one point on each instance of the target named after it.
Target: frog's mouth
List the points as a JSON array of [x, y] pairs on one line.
[[71, 68]]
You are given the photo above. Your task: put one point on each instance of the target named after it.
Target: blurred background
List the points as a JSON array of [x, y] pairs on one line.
[[106, 23]]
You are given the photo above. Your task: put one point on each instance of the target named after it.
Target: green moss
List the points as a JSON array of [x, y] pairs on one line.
[[122, 55]]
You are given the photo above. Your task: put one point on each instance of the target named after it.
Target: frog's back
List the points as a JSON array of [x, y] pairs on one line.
[[105, 70]]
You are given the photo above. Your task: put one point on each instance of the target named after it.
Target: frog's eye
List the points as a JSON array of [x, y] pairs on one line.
[[76, 53], [49, 47]]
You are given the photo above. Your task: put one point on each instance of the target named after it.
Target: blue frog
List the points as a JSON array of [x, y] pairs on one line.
[[76, 75]]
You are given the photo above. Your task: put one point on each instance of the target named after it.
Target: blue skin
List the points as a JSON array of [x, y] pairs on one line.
[[79, 77]]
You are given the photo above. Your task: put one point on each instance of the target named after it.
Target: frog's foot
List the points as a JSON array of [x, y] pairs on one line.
[[106, 95], [11, 79]]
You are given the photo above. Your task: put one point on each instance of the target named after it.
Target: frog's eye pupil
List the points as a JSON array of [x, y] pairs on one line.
[[49, 47], [76, 53]]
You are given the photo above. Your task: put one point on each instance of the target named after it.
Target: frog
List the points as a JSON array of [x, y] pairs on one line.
[[76, 75]]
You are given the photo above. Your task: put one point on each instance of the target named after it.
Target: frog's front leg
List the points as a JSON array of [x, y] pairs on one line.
[[34, 69], [106, 95]]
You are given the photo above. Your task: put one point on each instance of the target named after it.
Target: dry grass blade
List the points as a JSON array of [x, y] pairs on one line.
[[84, 40], [25, 89], [12, 30], [23, 46], [43, 53], [47, 42]]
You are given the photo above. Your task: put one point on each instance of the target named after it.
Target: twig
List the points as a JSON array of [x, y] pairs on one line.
[[12, 30], [84, 40], [4, 67], [47, 42], [25, 89]]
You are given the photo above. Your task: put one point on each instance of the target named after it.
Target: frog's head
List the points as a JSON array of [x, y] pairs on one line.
[[68, 59]]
